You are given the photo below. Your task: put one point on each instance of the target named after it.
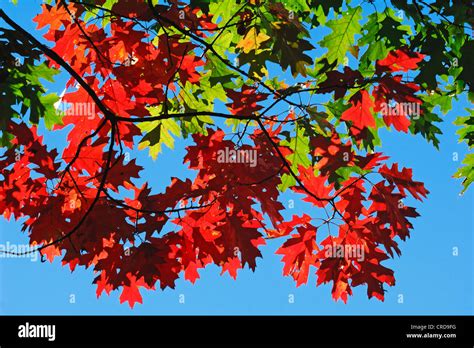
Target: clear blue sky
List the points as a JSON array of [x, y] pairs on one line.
[[430, 278]]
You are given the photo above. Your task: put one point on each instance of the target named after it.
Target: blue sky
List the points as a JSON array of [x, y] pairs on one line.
[[428, 276]]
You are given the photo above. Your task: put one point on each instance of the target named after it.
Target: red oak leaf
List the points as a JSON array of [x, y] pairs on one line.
[[299, 253], [404, 181], [319, 191], [244, 103], [131, 292], [399, 60], [360, 113]]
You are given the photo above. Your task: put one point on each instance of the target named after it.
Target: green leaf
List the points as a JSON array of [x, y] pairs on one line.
[[296, 5], [51, 115], [466, 172], [466, 133], [342, 36], [108, 4], [158, 132], [299, 144], [220, 74], [223, 10], [442, 100]]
